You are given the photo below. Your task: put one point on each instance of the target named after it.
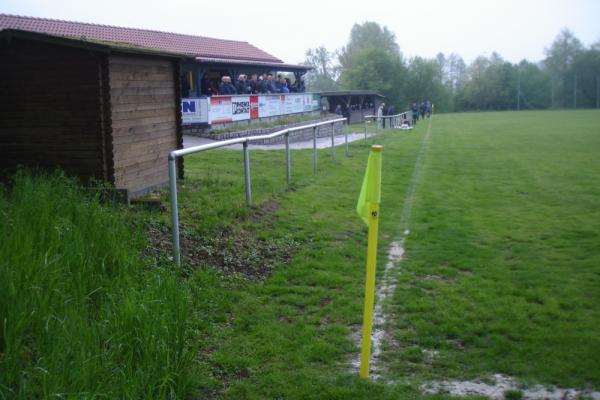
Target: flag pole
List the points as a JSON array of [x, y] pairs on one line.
[[371, 190], [369, 290]]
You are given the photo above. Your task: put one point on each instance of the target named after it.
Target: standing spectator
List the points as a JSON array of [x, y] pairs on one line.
[[338, 110], [283, 86], [428, 109], [270, 85], [423, 109], [208, 87], [347, 113], [253, 84], [226, 88], [380, 115], [262, 84], [415, 114], [240, 86]]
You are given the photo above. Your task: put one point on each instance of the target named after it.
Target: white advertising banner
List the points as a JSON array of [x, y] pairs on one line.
[[222, 109], [240, 108], [269, 106], [194, 111], [219, 111]]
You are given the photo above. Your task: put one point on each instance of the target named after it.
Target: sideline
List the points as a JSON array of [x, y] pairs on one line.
[[387, 285]]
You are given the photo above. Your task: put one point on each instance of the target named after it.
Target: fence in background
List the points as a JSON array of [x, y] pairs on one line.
[[386, 121]]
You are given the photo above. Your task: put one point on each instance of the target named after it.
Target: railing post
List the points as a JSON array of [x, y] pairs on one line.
[[247, 175], [346, 140], [333, 141], [288, 159], [174, 211], [315, 149]]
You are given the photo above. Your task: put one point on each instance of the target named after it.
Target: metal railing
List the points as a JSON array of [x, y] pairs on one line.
[[173, 155], [393, 121]]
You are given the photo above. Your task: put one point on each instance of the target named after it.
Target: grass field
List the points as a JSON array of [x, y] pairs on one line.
[[501, 275]]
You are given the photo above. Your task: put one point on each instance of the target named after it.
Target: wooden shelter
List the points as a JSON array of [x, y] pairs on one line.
[[104, 101], [96, 110]]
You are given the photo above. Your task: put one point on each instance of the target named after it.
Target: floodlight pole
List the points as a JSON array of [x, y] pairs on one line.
[[597, 91], [519, 90], [575, 92], [552, 93]]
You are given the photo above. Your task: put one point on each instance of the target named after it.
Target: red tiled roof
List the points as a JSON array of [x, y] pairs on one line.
[[189, 45]]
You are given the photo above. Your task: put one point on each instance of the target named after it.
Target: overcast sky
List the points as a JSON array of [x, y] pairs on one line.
[[516, 29]]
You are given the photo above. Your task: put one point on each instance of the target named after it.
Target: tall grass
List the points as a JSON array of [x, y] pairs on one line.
[[80, 315]]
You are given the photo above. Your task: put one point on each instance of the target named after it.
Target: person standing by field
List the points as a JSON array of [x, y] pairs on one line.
[[415, 114], [380, 115]]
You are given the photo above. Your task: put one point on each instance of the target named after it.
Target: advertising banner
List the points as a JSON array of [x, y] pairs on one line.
[[220, 110], [316, 102], [253, 107], [194, 111], [269, 106], [240, 108]]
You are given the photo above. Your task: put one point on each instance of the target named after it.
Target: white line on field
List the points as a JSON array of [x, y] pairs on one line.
[[387, 285]]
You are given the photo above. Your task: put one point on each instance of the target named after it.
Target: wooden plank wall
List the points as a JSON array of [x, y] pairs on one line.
[[144, 120], [49, 108]]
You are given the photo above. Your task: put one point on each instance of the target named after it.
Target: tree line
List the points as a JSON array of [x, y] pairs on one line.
[[569, 76]]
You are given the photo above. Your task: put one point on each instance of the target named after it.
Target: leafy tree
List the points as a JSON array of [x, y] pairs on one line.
[[375, 69], [372, 60], [324, 75], [535, 86], [560, 58], [587, 70], [368, 36], [424, 81], [491, 85]]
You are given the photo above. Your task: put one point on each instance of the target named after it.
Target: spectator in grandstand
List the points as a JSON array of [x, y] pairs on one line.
[[241, 86], [226, 88], [415, 113], [253, 84], [208, 87], [270, 85], [283, 86], [298, 86], [262, 84]]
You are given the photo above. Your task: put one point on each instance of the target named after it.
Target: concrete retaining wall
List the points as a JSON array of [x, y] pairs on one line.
[[297, 136]]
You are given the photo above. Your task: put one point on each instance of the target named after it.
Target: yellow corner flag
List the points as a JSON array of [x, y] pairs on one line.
[[370, 192], [368, 210]]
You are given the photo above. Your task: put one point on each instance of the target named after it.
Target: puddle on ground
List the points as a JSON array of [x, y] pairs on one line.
[[503, 383], [384, 290]]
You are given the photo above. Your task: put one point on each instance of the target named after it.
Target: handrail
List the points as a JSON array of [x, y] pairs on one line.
[[173, 155], [393, 118]]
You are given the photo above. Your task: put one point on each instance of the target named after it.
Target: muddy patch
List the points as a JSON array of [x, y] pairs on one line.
[[235, 250], [265, 212]]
